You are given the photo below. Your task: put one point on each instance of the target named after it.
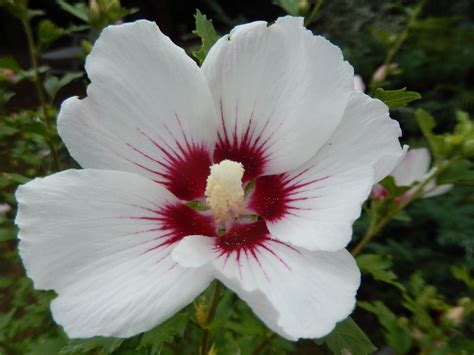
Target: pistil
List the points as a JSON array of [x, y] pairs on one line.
[[224, 191]]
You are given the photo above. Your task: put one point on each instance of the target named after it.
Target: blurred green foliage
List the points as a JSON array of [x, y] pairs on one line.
[[418, 289]]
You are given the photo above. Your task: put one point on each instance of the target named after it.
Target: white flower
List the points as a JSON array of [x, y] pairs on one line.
[[120, 245], [412, 170]]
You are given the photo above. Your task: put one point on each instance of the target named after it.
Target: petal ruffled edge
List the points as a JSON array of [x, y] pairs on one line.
[[280, 91], [148, 110], [297, 293]]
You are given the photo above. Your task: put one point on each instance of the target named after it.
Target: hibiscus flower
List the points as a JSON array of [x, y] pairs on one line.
[[411, 171], [250, 169]]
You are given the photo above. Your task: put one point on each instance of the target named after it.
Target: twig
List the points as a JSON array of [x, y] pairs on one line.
[[376, 227], [263, 344], [310, 17], [33, 51], [399, 40], [210, 316]]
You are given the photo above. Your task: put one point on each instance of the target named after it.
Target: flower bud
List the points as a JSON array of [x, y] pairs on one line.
[[4, 208], [359, 83], [8, 74], [94, 12], [379, 192], [383, 71], [455, 315], [303, 7]]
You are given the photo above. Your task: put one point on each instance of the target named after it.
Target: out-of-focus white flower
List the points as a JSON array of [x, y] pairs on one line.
[[269, 134], [412, 169]]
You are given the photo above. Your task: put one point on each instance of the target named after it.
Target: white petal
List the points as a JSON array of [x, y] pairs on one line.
[[102, 240], [366, 136], [412, 167], [297, 293], [314, 210], [279, 89], [315, 205], [432, 190], [148, 109]]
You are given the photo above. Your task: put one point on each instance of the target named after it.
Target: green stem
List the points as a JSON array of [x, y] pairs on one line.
[[399, 40], [7, 347], [372, 231], [376, 226], [216, 292], [33, 51], [310, 17], [263, 344]]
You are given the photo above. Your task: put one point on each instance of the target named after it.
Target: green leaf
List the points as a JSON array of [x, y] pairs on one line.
[[79, 9], [426, 298], [378, 266], [4, 282], [462, 273], [16, 8], [165, 333], [206, 31], [53, 84], [6, 96], [48, 33], [106, 12], [46, 346], [9, 179], [458, 344], [427, 123], [396, 333], [31, 13], [386, 38], [6, 318], [7, 234], [393, 189], [396, 98], [245, 323], [30, 74], [108, 345], [461, 172], [402, 216], [347, 337], [292, 7], [9, 63]]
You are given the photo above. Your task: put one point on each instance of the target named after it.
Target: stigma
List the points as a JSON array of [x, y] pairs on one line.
[[224, 191]]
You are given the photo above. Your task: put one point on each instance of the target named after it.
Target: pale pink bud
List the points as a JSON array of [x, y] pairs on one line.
[[8, 74], [455, 315], [4, 208], [359, 83], [383, 71], [379, 192]]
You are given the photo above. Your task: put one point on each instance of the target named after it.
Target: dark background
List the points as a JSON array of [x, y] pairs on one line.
[[436, 61]]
